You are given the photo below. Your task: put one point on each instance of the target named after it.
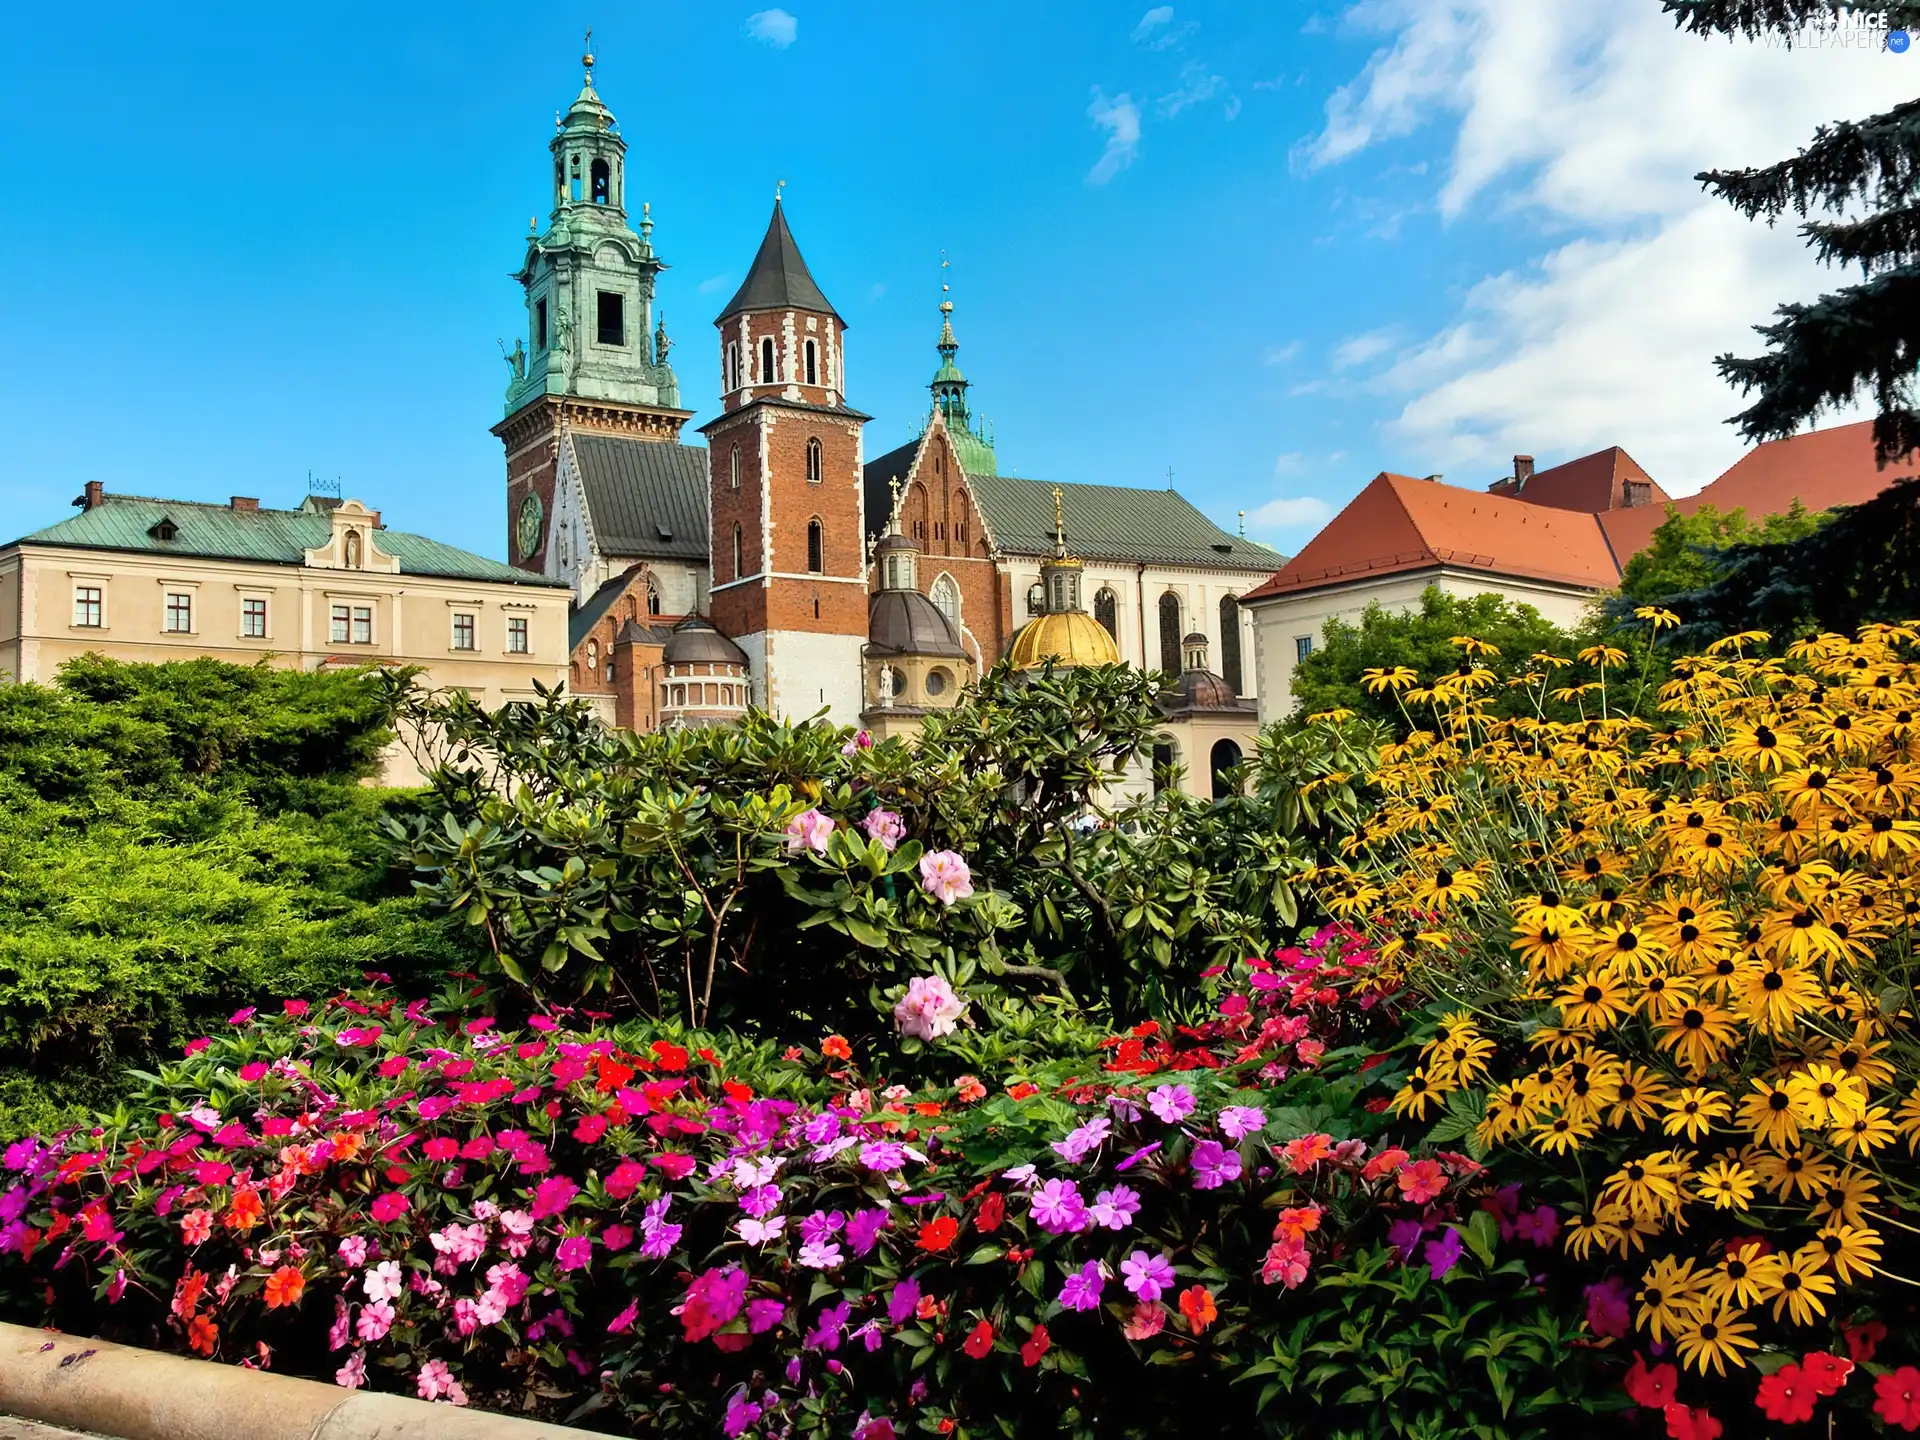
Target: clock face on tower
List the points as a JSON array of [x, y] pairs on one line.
[[526, 526]]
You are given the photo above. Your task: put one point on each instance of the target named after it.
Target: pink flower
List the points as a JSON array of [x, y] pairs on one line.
[[944, 876], [294, 1008], [808, 831], [382, 1282], [1239, 1121], [435, 1381], [194, 1047], [929, 1009], [1145, 1322], [375, 1321], [863, 740], [352, 1252], [388, 1207], [253, 1070], [1146, 1276], [574, 1253], [1214, 1165], [886, 826], [1421, 1181], [240, 1017], [623, 1322], [460, 1244], [353, 1374], [553, 1195], [196, 1226]]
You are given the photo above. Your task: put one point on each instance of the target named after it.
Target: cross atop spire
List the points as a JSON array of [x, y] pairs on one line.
[[586, 59]]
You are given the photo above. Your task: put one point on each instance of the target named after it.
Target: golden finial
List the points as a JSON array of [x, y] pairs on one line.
[[587, 58], [1059, 514], [533, 225]]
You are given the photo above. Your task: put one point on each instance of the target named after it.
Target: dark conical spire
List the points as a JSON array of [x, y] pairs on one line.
[[779, 279]]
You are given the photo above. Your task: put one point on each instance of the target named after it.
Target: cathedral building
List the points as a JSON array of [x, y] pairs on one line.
[[776, 565]]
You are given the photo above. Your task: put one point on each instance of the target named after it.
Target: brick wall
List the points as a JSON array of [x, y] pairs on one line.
[[938, 513]]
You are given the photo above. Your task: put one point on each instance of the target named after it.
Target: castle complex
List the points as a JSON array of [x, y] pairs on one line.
[[777, 565]]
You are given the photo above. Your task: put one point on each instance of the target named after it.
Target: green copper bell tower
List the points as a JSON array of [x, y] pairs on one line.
[[593, 355], [972, 438]]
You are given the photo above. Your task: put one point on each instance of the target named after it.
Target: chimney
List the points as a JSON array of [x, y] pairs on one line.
[[1522, 472], [245, 503], [95, 495]]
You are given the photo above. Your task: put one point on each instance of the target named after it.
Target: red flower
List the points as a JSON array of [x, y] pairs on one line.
[[1827, 1374], [937, 1234], [835, 1047], [1651, 1388], [1020, 1090], [284, 1286], [980, 1341], [671, 1057], [1684, 1423], [1037, 1345], [1196, 1304], [993, 1210], [1863, 1340], [1897, 1398], [203, 1334], [1786, 1396]]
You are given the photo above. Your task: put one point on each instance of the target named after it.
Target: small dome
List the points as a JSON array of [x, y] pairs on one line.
[[1200, 690], [695, 642], [893, 540], [1070, 637], [1194, 638], [905, 622]]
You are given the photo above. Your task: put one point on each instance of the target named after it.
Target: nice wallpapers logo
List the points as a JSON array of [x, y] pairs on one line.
[[1848, 30]]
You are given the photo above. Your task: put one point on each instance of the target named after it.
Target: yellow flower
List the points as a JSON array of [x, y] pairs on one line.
[[1698, 1036], [1773, 997], [1669, 1292], [1852, 1251], [1843, 1199], [1460, 1057], [1692, 1111], [1446, 886], [1803, 1285], [1715, 1337], [1764, 748], [1798, 1172], [1823, 1096], [1626, 948], [1596, 1002], [1398, 677], [1664, 997], [1602, 1230], [1727, 1183], [1907, 1120], [1637, 1096], [1745, 1277], [1864, 1134], [1768, 1113], [1419, 1095], [1648, 1186], [1561, 1135]]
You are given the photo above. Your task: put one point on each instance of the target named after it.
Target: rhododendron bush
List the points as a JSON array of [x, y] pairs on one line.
[[654, 1233]]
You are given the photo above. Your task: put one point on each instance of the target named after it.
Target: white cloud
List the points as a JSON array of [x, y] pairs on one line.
[[1582, 127], [1289, 512], [715, 282], [773, 27], [1156, 30], [1155, 19], [1196, 84], [1359, 349], [1120, 118], [1281, 354], [1232, 106], [1290, 463]]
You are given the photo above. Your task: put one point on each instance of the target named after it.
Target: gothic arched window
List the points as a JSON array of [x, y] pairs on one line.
[[1036, 600], [733, 462], [813, 363], [816, 547], [1106, 609], [602, 183], [813, 457], [653, 598], [1230, 642], [766, 362], [946, 598], [733, 365], [1170, 633], [739, 567]]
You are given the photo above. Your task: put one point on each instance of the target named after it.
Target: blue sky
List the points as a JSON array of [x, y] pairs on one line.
[[1276, 247]]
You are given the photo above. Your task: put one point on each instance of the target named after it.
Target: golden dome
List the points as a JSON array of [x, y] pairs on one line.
[[1070, 637]]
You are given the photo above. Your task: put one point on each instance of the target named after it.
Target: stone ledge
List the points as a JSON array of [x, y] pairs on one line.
[[136, 1394]]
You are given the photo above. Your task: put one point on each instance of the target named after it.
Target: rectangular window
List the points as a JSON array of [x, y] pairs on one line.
[[89, 606], [613, 318], [352, 625], [517, 635], [1302, 647], [339, 620], [253, 619], [363, 624], [540, 324], [179, 613], [463, 633]]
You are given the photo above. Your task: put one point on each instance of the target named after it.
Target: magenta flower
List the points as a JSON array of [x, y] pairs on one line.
[[828, 1329], [1214, 1165], [944, 876], [1083, 1141], [623, 1322], [1083, 1287], [886, 827], [863, 1230], [1171, 1103], [883, 1155], [902, 1303], [1443, 1254], [1146, 1276], [388, 1207], [573, 1253], [1114, 1209], [353, 1374], [763, 1315], [1607, 1312], [1239, 1121], [1057, 1207], [552, 1196]]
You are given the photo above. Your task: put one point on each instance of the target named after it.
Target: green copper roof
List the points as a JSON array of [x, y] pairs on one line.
[[270, 537], [971, 438]]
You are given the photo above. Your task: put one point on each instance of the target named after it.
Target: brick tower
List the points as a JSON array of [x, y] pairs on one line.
[[789, 572], [594, 357]]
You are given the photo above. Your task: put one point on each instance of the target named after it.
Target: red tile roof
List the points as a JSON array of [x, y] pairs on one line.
[[1398, 523], [1592, 483]]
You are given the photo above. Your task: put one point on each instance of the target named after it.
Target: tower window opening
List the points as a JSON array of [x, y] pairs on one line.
[[813, 363], [613, 318], [573, 180], [1036, 600], [1106, 609], [602, 183], [766, 362], [1230, 643], [946, 598], [733, 365], [733, 468], [1170, 633], [540, 323], [816, 549], [813, 457], [739, 568], [653, 598]]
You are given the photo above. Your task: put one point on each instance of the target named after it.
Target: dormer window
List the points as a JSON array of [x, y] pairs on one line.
[[653, 598], [164, 529], [602, 183]]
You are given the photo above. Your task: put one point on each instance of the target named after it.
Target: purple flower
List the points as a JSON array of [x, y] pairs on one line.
[[883, 1155], [821, 1225], [821, 1128], [819, 1255], [1443, 1254], [828, 1329], [1404, 1235], [1137, 1156], [1057, 1207], [1123, 1108], [1607, 1313], [1239, 1121], [761, 1201], [741, 1414], [1083, 1141], [1538, 1227], [763, 1315], [1146, 1276], [1172, 1103], [863, 1230], [904, 1300], [1115, 1208], [1214, 1165], [1083, 1287]]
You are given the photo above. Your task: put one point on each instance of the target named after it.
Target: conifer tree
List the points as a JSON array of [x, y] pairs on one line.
[[1856, 188]]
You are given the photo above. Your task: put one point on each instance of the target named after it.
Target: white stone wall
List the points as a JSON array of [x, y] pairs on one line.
[[1279, 623], [805, 671]]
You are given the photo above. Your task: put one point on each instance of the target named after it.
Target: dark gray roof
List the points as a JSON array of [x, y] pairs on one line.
[[845, 412], [779, 279], [905, 622], [634, 633], [1196, 692], [1104, 522], [594, 609], [694, 641], [647, 498]]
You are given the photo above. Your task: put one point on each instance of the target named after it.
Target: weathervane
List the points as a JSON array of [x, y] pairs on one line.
[[586, 58], [779, 185]]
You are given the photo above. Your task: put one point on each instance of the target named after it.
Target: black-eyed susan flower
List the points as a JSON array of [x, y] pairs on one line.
[[1864, 1134], [1698, 1036], [1773, 996], [1714, 1338], [1798, 1174], [1844, 1199], [1851, 1251], [1767, 1112], [1748, 1274], [1669, 1292], [1727, 1184], [1804, 1286], [1823, 1096], [1597, 1000], [1637, 1098]]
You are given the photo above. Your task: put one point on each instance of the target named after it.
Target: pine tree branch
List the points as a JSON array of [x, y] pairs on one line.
[[1878, 243], [1821, 355], [1876, 160], [1754, 18]]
